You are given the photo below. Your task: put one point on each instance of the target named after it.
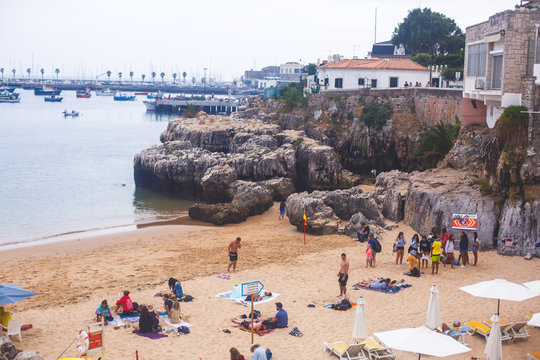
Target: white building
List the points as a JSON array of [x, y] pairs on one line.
[[291, 68], [371, 73], [268, 82]]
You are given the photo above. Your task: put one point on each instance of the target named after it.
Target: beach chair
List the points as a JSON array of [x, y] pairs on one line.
[[533, 356], [14, 328], [518, 331], [457, 334], [481, 328], [376, 350], [344, 352]]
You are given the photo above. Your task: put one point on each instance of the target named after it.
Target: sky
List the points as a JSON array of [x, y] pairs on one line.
[[87, 38]]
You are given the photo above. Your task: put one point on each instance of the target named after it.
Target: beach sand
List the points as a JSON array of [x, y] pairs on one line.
[[71, 278]]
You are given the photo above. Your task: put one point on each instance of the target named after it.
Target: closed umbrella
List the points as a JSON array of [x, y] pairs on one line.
[[422, 341], [535, 320], [500, 289], [493, 348], [433, 317], [359, 328], [534, 286], [11, 293]]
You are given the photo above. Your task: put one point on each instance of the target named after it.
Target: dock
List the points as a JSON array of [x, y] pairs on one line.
[[209, 106]]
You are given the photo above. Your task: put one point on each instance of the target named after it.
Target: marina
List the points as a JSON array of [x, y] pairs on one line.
[[179, 105]]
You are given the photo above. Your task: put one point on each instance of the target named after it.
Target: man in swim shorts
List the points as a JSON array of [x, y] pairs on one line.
[[233, 253], [435, 255], [343, 276]]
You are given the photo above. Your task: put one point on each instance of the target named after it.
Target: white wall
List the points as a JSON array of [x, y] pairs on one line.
[[492, 115], [350, 77]]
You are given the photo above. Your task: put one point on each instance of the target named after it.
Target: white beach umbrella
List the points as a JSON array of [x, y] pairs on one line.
[[535, 320], [493, 348], [359, 328], [500, 289], [433, 317], [422, 340], [534, 286]]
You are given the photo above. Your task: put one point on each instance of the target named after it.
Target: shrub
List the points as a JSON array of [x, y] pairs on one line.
[[435, 142], [512, 127], [375, 115], [292, 95], [190, 111]]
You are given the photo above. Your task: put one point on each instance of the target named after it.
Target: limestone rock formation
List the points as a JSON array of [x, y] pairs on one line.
[[520, 221], [216, 182]]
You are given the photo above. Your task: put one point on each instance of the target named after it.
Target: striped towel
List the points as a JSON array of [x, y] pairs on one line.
[[115, 321]]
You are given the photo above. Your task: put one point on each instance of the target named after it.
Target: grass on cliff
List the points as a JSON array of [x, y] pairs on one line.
[[435, 142], [512, 127], [292, 96], [376, 115]]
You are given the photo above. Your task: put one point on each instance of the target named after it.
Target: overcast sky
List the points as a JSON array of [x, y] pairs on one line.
[[225, 36]]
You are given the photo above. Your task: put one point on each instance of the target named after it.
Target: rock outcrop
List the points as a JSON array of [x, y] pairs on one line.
[[520, 221]]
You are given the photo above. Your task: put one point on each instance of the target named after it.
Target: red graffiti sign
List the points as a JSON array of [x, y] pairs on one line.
[[464, 221]]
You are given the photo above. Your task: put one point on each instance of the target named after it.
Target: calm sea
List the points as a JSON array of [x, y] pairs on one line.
[[62, 175]]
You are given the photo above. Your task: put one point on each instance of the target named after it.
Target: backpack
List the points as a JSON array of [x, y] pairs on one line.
[[268, 354], [183, 330], [376, 246], [344, 305]]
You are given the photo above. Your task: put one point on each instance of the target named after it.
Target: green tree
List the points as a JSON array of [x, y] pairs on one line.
[[57, 72], [435, 142], [184, 74], [131, 75], [120, 77], [109, 73], [162, 77], [28, 71], [375, 115], [422, 59], [311, 69], [2, 71], [425, 31], [153, 77], [292, 95], [42, 71], [174, 75], [143, 76], [13, 71]]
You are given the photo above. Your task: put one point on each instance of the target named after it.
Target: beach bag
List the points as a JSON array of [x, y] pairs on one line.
[[184, 329], [415, 272], [376, 246], [156, 328], [394, 248], [268, 354], [344, 305]]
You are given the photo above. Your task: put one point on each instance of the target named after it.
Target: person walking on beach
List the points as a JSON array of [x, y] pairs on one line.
[[233, 253], [343, 276], [435, 255], [475, 247], [282, 209], [400, 246]]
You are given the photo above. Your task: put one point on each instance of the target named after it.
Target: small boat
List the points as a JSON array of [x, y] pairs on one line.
[[141, 93], [124, 97], [85, 94], [53, 98], [158, 95], [150, 105], [73, 113], [43, 90], [7, 97], [106, 92], [2, 89]]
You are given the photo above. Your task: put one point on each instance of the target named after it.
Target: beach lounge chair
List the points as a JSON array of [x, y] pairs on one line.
[[457, 334], [14, 328], [376, 350], [481, 328], [533, 356], [344, 352], [518, 331]]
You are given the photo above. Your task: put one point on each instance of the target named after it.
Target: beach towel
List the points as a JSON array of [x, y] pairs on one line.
[[386, 291], [181, 323], [224, 276], [133, 318], [150, 335], [115, 321], [260, 333], [227, 295]]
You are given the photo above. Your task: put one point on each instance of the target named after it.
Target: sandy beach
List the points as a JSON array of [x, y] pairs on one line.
[[72, 277]]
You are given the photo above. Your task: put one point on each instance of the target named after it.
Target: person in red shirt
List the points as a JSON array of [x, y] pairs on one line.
[[444, 238], [125, 303]]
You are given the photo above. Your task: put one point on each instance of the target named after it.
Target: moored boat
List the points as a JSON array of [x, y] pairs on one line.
[[73, 113], [53, 98], [85, 94], [141, 93], [7, 97], [106, 92], [123, 97], [158, 95], [150, 105], [43, 90], [8, 89]]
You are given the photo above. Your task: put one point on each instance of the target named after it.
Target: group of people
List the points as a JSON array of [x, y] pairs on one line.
[[417, 84], [279, 321], [148, 317], [258, 353]]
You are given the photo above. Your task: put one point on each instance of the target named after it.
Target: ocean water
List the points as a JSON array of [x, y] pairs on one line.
[[61, 175]]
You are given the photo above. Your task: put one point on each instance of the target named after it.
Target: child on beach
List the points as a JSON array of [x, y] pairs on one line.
[[167, 303], [425, 249], [282, 209], [103, 311], [369, 256], [175, 316]]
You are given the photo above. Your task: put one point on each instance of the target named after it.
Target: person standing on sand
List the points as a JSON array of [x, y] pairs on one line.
[[425, 249], [371, 241], [400, 246], [282, 209], [464, 249], [233, 253], [475, 247], [435, 255], [343, 276]]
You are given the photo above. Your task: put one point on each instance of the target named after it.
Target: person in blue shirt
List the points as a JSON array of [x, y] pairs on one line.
[[176, 288], [281, 320], [258, 352]]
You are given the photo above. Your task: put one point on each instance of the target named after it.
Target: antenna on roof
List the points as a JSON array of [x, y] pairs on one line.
[[375, 25]]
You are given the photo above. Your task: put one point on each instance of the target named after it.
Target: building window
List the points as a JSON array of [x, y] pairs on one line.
[[296, 71], [393, 82], [476, 60], [373, 83], [361, 82], [338, 83], [496, 74]]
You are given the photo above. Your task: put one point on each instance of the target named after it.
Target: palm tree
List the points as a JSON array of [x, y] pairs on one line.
[[57, 71], [143, 76], [109, 73], [42, 71], [153, 77], [193, 80], [131, 75], [13, 71], [28, 71], [2, 71], [120, 77], [162, 76], [174, 77], [184, 74]]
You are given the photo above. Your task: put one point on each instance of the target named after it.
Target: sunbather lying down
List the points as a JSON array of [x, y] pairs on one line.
[[382, 284], [258, 324]]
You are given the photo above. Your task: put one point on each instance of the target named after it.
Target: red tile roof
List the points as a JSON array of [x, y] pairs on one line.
[[386, 64]]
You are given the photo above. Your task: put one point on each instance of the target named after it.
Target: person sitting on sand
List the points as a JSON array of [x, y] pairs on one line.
[[145, 321], [103, 311], [258, 352], [176, 288], [375, 284], [281, 320], [413, 263], [125, 303], [175, 316], [167, 303], [153, 314], [258, 324], [235, 354]]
